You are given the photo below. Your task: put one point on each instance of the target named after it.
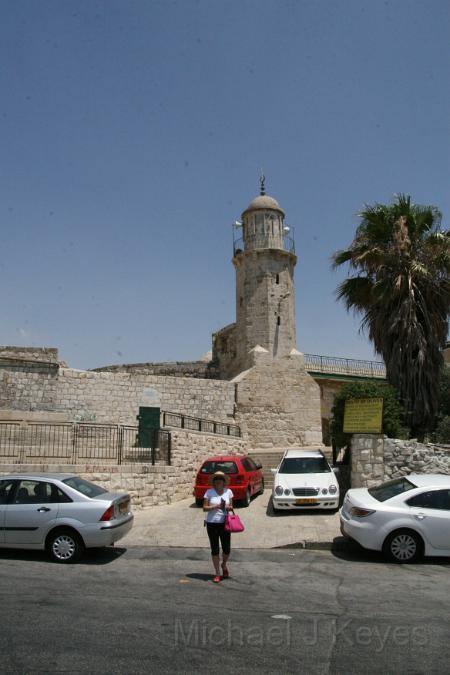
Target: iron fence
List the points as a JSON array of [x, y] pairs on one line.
[[335, 365], [261, 241], [170, 419], [67, 443]]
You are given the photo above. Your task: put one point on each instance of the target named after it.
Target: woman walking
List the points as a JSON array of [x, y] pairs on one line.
[[217, 501]]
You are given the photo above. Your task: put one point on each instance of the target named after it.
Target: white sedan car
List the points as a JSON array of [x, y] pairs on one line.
[[405, 518], [62, 513], [304, 479]]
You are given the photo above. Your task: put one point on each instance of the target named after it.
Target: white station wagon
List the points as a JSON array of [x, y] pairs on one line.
[[304, 479], [405, 518], [62, 513]]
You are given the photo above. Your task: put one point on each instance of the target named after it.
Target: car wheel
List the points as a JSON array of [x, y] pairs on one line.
[[65, 546], [199, 502], [403, 546], [247, 499]]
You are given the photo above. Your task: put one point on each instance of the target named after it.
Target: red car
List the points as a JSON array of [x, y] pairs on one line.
[[245, 473]]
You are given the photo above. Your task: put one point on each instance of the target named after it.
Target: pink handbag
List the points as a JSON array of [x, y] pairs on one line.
[[233, 523]]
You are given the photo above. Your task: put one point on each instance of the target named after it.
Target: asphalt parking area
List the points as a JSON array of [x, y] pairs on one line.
[[181, 524]]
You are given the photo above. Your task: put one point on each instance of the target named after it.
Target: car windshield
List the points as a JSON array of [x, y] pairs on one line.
[[391, 488], [212, 467], [84, 486], [304, 465]]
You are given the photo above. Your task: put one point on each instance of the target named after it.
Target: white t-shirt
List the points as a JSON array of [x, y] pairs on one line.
[[213, 497]]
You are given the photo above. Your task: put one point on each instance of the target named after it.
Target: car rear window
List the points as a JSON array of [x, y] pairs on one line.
[[304, 465], [391, 488], [225, 466], [84, 486]]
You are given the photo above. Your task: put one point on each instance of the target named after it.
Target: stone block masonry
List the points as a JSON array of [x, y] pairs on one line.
[[148, 485], [112, 397], [367, 460], [403, 457], [376, 458], [278, 402], [115, 397]]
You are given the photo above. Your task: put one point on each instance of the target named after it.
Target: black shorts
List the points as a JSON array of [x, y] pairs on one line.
[[217, 531]]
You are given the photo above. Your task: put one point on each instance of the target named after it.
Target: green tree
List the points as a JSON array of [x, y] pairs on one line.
[[444, 391], [399, 264], [393, 412], [442, 432]]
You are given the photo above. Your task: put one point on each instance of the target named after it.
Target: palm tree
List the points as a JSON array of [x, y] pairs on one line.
[[400, 257]]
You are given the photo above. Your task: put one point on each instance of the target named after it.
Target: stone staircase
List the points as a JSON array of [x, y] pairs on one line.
[[271, 457]]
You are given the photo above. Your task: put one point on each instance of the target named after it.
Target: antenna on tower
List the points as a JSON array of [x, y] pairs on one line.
[[262, 183]]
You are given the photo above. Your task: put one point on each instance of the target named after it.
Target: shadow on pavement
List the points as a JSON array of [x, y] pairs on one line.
[[92, 556], [300, 512], [200, 576], [351, 551]]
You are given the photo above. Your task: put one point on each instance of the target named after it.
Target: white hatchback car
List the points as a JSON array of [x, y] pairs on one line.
[[304, 479], [405, 518]]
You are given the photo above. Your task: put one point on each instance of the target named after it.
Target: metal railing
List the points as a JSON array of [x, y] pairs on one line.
[[74, 443], [170, 419], [335, 365], [263, 240]]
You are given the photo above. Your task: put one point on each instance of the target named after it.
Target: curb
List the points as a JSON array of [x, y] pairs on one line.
[[338, 544]]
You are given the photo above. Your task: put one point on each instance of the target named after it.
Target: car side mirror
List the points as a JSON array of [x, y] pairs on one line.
[[335, 469], [258, 465], [273, 470]]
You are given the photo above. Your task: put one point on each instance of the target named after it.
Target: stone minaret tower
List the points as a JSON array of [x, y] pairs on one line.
[[265, 298]]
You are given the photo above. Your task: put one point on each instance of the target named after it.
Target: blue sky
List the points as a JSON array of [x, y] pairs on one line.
[[131, 136]]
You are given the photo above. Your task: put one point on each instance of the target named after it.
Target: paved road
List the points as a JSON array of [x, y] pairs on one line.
[[181, 524], [145, 610]]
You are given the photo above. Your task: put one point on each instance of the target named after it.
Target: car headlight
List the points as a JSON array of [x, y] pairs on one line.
[[279, 490], [324, 491], [287, 491], [332, 489]]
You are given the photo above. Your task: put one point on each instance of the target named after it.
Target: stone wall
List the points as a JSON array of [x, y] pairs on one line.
[[108, 396], [278, 402], [403, 457], [224, 351], [197, 369], [46, 354], [115, 397], [28, 386], [149, 485], [367, 456], [376, 458]]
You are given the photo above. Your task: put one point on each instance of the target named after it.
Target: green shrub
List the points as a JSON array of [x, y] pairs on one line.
[[393, 412], [444, 392], [442, 433]]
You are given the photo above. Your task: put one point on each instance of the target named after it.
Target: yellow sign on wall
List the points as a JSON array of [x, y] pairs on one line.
[[363, 416]]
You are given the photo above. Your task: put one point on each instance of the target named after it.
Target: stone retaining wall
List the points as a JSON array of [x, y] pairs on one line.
[[116, 397], [376, 458], [403, 457], [46, 354], [198, 369], [111, 397], [148, 485]]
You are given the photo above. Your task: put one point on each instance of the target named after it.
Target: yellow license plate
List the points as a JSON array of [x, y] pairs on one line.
[[306, 501]]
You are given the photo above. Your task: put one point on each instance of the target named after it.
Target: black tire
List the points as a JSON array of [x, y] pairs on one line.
[[403, 547], [247, 499], [199, 502], [65, 546], [274, 508]]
